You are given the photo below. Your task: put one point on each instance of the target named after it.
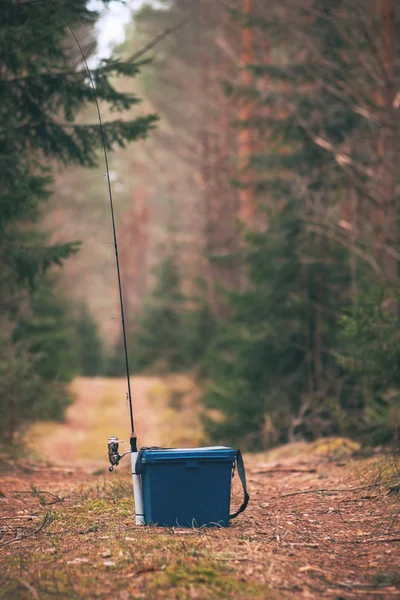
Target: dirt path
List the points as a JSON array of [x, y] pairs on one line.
[[321, 523], [100, 410]]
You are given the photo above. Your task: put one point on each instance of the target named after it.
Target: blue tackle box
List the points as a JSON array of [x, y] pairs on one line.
[[189, 487]]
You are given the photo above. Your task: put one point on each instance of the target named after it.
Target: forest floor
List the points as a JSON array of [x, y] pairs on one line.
[[323, 521]]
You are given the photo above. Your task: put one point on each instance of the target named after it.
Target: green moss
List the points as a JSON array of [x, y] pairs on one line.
[[337, 447], [383, 579], [210, 580], [180, 573]]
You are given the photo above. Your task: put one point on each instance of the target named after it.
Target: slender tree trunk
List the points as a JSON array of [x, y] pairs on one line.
[[133, 253], [206, 174], [246, 212], [388, 150]]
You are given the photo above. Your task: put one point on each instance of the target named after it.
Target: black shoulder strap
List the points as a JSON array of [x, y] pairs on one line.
[[242, 476]]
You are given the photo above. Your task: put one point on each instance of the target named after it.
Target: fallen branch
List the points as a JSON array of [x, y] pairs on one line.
[[36, 492], [370, 541], [30, 588], [382, 592], [284, 470], [44, 523], [76, 531], [145, 570], [334, 491], [301, 544], [30, 517], [239, 559]]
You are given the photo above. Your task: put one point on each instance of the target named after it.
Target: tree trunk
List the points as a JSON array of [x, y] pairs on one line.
[[388, 145], [246, 211]]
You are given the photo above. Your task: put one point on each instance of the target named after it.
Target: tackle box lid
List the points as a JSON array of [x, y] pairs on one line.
[[220, 453]]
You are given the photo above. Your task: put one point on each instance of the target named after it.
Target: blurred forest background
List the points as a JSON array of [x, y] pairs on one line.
[[258, 220]]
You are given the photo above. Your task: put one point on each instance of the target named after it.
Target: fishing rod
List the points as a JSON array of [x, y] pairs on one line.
[[113, 453], [113, 443], [114, 456], [133, 438]]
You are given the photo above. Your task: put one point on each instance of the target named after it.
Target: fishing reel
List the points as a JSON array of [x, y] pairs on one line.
[[113, 452]]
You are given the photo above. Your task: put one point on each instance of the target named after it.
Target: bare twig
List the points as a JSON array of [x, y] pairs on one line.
[[334, 491], [355, 249], [239, 559], [44, 523], [284, 470], [36, 492], [301, 544], [382, 592], [30, 517], [30, 588], [156, 40], [381, 540]]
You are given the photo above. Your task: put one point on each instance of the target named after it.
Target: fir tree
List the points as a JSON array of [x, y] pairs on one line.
[[173, 330], [274, 368], [89, 343], [370, 350], [41, 96], [270, 371], [157, 341], [43, 87], [37, 360]]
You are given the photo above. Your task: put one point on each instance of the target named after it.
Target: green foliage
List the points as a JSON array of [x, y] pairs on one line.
[[271, 367], [172, 332], [157, 338], [372, 336], [371, 351], [197, 331], [48, 327], [89, 344], [37, 361], [115, 360], [286, 364], [294, 361], [43, 88]]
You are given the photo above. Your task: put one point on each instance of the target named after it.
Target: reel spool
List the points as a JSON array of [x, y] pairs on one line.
[[113, 452]]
